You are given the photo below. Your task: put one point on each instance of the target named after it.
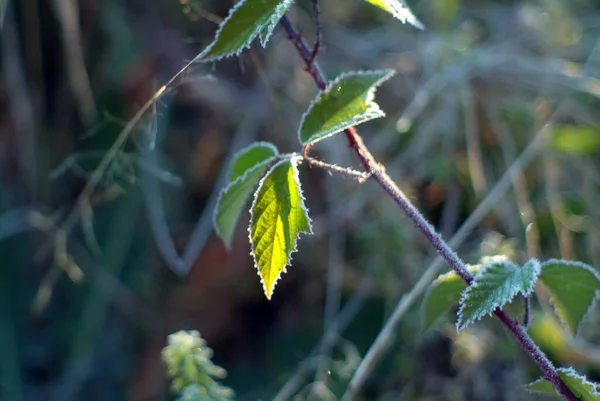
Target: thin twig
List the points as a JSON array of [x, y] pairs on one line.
[[526, 312], [360, 176], [318, 28], [79, 82], [311, 67], [428, 232], [115, 148]]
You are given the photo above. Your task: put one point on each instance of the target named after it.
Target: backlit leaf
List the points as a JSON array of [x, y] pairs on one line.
[[398, 9], [246, 20], [494, 285], [278, 216], [578, 384], [574, 287], [443, 293], [246, 169], [347, 101]]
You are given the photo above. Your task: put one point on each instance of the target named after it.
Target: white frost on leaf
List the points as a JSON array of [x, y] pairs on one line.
[[267, 31], [372, 111], [263, 30], [241, 154], [293, 160], [400, 10], [495, 285], [243, 188], [583, 287], [581, 387]]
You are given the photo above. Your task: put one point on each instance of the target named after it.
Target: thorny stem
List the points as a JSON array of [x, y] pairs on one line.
[[429, 232]]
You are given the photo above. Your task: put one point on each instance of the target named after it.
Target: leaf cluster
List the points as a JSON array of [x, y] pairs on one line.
[[278, 214], [192, 372]]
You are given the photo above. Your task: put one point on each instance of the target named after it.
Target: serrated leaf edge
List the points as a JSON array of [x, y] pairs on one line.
[[398, 14], [534, 391], [263, 40], [372, 106], [248, 148], [256, 167], [294, 160], [567, 371], [460, 325], [573, 373], [592, 304], [436, 282]]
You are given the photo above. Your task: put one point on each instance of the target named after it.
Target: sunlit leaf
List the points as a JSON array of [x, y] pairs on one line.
[[443, 293], [494, 285], [398, 9], [246, 169], [574, 287], [578, 384], [576, 139], [347, 101], [249, 157], [278, 216], [246, 20], [541, 386]]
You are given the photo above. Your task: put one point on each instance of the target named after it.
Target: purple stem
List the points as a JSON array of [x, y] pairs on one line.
[[433, 237], [527, 312], [317, 45]]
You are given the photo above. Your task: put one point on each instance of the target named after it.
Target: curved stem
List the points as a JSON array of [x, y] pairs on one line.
[[433, 237]]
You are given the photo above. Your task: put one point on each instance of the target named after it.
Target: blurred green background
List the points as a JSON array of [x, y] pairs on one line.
[[85, 316]]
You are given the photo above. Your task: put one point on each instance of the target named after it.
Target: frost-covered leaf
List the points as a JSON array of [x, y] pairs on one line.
[[278, 216], [578, 384], [249, 157], [246, 20], [246, 169], [347, 101], [494, 285], [398, 9], [540, 386], [442, 294], [574, 288]]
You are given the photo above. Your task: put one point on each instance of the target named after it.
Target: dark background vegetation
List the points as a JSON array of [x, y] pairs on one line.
[[472, 92]]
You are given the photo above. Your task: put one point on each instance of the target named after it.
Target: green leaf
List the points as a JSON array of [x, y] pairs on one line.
[[278, 216], [578, 384], [399, 10], [249, 157], [576, 139], [246, 20], [347, 101], [443, 293], [540, 386], [494, 285], [574, 288], [246, 169]]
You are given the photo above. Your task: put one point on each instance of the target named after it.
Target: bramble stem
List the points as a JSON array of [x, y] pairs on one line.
[[431, 235]]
